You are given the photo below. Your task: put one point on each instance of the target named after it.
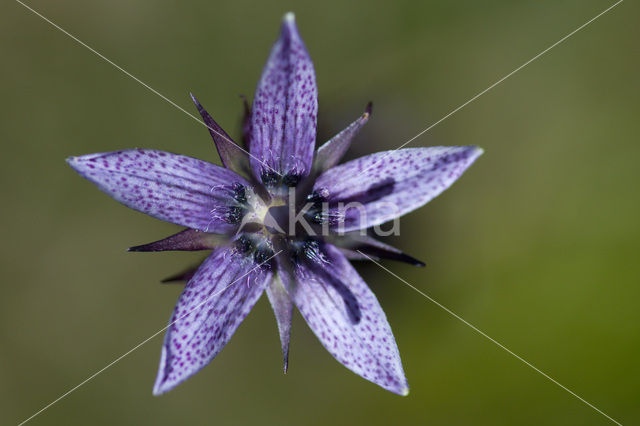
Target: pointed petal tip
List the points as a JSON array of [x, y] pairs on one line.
[[196, 102], [78, 163], [203, 112], [403, 257], [474, 152], [401, 387], [283, 309], [289, 27], [162, 388], [73, 162], [368, 109], [331, 152], [478, 151], [368, 248]]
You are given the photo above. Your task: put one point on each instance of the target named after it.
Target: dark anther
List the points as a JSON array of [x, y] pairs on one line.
[[291, 180], [244, 244], [235, 214], [316, 217], [314, 214], [262, 256], [315, 198], [240, 193], [269, 178]]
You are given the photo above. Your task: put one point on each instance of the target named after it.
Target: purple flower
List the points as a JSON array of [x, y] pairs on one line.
[[240, 212]]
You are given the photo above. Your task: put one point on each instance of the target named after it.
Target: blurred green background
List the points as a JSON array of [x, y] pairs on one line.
[[538, 244]]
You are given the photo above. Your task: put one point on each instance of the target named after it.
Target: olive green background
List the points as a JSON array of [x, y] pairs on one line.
[[537, 244]]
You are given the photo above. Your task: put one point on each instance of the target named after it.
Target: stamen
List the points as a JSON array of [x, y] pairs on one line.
[[255, 247], [319, 212], [244, 244], [269, 178], [317, 197], [291, 180], [240, 193], [262, 255], [235, 214]]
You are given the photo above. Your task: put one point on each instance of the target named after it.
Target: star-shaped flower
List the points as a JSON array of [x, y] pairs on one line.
[[282, 219]]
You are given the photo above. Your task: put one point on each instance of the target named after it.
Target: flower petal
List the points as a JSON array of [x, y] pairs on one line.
[[283, 116], [345, 316], [210, 309], [232, 156], [187, 240], [283, 310], [363, 247], [246, 122], [170, 187], [376, 188], [330, 153]]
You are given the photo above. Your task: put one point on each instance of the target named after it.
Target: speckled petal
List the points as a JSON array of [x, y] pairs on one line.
[[210, 309], [283, 116], [386, 185], [357, 336], [283, 310], [330, 153], [170, 187]]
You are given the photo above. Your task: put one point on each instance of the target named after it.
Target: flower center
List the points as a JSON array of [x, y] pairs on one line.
[[279, 221]]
